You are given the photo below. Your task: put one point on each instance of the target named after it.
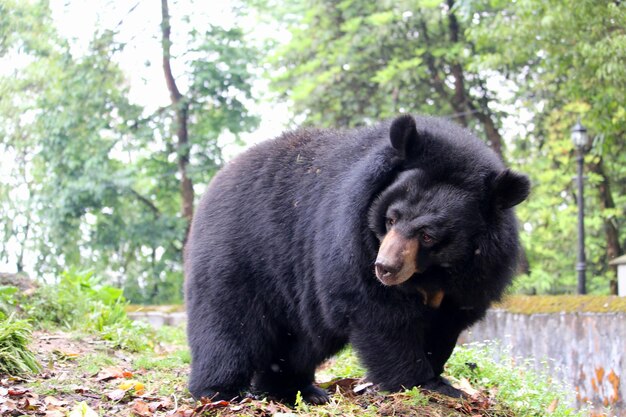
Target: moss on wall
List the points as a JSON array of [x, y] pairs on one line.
[[174, 308], [520, 304], [541, 304]]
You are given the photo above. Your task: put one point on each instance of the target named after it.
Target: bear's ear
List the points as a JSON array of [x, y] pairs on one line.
[[403, 135], [509, 189]]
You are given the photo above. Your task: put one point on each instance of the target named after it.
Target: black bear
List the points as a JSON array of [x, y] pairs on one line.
[[393, 238]]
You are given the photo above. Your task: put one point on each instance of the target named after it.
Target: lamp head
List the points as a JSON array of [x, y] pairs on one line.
[[580, 138]]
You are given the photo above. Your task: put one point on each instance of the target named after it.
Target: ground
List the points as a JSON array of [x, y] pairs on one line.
[[83, 376]]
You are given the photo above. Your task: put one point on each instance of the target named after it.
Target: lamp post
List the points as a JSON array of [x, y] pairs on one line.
[[581, 143]]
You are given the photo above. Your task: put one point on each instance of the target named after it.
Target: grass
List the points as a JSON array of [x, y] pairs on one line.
[[525, 392], [79, 302], [15, 357], [92, 363], [96, 358], [75, 367]]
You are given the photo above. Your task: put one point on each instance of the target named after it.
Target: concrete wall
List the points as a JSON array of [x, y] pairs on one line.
[[157, 318], [585, 350]]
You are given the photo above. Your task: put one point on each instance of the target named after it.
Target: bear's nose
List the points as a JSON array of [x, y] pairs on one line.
[[384, 269]]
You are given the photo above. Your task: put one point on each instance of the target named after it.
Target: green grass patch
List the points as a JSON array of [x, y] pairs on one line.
[[173, 335], [525, 392], [345, 364], [15, 357], [172, 360], [159, 361], [92, 363], [80, 302]]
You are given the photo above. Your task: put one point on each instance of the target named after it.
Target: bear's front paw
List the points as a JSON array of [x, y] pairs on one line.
[[441, 385], [314, 395]]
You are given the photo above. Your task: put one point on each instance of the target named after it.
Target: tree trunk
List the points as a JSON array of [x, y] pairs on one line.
[[460, 97], [461, 101], [493, 134], [613, 249], [181, 107], [20, 257]]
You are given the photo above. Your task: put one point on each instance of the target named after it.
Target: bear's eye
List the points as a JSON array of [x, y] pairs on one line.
[[390, 221], [426, 238]]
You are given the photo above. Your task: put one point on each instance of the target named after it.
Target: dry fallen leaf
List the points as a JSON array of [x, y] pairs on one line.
[[80, 389], [116, 394], [7, 406], [466, 386], [207, 405], [112, 372], [161, 405], [51, 401], [17, 392], [183, 413], [82, 410], [344, 385], [141, 408]]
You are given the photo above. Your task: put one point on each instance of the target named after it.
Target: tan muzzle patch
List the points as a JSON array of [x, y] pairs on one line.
[[397, 258]]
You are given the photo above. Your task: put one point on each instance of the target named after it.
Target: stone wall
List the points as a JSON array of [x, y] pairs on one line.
[[585, 350], [158, 318]]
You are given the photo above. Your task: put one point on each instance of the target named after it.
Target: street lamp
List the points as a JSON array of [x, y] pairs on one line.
[[581, 143]]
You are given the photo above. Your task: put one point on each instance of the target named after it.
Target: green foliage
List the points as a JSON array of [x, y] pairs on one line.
[[7, 300], [176, 360], [416, 397], [15, 357], [527, 393], [80, 302], [175, 335], [220, 91], [93, 177], [364, 63], [566, 59], [346, 364], [90, 178], [524, 392]]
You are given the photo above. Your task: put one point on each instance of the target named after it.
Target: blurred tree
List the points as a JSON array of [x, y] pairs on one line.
[[219, 86], [352, 61], [567, 59], [93, 179]]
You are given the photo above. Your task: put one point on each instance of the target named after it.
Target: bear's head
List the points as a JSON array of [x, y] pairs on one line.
[[427, 218]]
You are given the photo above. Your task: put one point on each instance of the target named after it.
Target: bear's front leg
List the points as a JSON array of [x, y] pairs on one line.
[[393, 353]]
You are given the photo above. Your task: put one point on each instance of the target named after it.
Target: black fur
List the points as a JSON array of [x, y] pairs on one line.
[[279, 263]]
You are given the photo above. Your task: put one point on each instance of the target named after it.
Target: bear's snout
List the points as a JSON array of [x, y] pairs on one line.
[[396, 260], [384, 269]]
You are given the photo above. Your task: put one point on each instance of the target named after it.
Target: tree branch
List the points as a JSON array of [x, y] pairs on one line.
[[147, 202], [181, 107], [166, 44], [459, 97]]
